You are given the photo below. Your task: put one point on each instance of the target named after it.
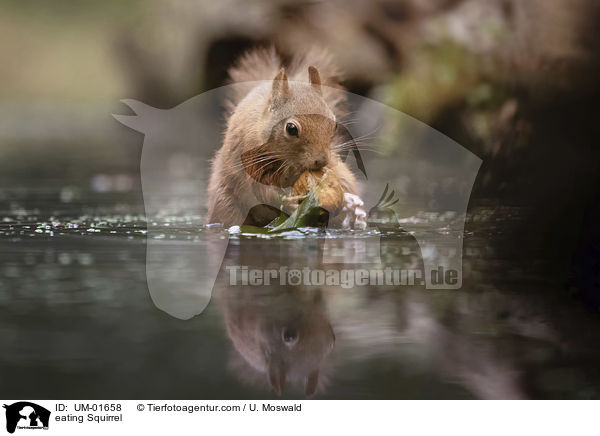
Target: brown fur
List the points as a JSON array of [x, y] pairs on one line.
[[256, 322], [258, 159]]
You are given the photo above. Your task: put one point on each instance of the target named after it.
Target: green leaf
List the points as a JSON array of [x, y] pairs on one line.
[[308, 214]]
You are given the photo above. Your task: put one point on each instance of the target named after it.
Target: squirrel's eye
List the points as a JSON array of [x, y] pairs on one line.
[[289, 335], [291, 129]]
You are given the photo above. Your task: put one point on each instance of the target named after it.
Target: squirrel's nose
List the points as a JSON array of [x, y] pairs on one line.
[[319, 162]]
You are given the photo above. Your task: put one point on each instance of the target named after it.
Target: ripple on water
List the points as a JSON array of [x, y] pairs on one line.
[[23, 224]]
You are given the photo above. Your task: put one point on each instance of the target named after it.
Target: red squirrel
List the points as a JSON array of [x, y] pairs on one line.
[[281, 123]]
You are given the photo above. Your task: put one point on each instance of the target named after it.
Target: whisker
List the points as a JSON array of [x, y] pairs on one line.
[[271, 162], [263, 157]]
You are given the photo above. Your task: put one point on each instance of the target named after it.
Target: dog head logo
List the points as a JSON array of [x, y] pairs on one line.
[[26, 415], [418, 179]]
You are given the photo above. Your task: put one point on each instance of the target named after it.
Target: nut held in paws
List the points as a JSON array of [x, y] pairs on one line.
[[326, 187]]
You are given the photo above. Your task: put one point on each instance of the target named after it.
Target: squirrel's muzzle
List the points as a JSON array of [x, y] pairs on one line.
[[319, 161]]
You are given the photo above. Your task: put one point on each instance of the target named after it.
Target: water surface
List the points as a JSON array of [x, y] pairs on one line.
[[77, 319]]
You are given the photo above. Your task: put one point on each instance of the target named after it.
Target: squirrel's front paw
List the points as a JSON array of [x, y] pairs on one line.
[[354, 216]]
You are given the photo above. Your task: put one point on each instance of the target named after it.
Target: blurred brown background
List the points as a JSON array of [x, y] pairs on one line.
[[513, 81]]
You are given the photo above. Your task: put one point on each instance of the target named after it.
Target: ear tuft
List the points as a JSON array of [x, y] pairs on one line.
[[277, 375], [312, 380], [281, 87], [314, 78]]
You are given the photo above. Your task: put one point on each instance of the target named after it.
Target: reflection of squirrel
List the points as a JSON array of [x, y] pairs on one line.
[[276, 130], [279, 332]]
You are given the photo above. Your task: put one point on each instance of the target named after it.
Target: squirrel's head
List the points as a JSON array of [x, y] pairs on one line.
[[282, 332], [298, 130]]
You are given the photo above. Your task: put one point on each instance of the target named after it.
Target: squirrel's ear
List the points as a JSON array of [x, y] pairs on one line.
[[310, 385], [277, 374], [314, 78], [281, 87]]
